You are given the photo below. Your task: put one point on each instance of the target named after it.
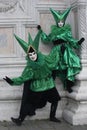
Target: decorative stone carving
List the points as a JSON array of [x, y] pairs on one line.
[[8, 5]]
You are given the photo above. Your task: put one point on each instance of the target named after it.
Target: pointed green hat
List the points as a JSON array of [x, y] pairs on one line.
[[60, 16], [29, 39], [22, 43], [34, 43]]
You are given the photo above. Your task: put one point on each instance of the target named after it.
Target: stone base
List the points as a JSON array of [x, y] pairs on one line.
[[76, 112], [75, 119]]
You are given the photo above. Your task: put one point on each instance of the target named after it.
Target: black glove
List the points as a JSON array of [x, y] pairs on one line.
[[81, 40], [8, 80], [63, 48], [38, 27]]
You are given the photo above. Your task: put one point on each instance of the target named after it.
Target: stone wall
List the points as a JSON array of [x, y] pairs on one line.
[[21, 17], [75, 111]]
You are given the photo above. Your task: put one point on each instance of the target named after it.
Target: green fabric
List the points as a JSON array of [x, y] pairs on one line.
[[22, 43], [39, 72], [70, 59], [34, 43], [60, 33], [60, 16]]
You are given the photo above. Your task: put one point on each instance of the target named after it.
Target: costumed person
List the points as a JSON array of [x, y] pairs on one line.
[[69, 62], [37, 76]]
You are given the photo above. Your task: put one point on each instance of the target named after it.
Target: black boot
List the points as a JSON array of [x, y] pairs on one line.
[[17, 121], [69, 89], [69, 85], [53, 112]]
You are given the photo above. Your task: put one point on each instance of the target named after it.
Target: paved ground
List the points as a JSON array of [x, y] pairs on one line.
[[41, 125]]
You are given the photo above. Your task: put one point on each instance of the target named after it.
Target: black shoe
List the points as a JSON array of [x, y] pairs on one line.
[[54, 119], [70, 90], [17, 121]]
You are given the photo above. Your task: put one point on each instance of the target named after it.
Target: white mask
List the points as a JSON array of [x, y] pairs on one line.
[[60, 23], [32, 55]]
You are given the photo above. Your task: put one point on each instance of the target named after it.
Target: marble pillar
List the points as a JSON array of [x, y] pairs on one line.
[[75, 111]]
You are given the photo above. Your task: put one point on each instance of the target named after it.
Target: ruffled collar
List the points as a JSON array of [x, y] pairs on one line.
[[36, 64], [65, 28]]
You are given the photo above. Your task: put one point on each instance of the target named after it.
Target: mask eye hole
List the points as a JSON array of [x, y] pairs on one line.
[[29, 54]]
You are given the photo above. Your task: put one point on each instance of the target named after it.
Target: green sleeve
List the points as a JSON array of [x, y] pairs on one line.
[[27, 74], [73, 42], [45, 38]]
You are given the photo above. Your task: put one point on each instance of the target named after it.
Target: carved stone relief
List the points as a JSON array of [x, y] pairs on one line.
[[9, 5]]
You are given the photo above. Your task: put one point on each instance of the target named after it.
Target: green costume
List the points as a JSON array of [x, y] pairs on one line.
[[39, 86], [62, 36], [69, 60], [39, 71]]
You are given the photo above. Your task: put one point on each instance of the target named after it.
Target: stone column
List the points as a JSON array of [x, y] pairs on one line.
[[75, 111]]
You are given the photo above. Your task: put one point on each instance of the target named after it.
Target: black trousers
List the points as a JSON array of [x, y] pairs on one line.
[[26, 106], [34, 100]]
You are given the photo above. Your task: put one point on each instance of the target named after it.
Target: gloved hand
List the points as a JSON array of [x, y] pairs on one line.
[[8, 80], [81, 40], [38, 27], [63, 48]]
